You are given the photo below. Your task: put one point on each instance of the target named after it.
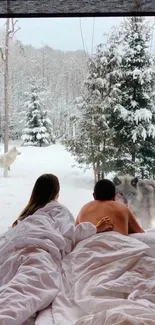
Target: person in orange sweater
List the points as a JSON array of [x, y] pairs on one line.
[[104, 207]]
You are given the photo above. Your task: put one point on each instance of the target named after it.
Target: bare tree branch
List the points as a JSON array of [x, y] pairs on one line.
[[12, 31], [2, 54], [15, 31], [14, 22]]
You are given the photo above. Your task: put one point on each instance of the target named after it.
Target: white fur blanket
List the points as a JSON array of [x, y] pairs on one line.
[[30, 262], [108, 279]]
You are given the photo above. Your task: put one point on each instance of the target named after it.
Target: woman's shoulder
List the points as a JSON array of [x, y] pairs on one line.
[[56, 211], [56, 207], [55, 204], [51, 205]]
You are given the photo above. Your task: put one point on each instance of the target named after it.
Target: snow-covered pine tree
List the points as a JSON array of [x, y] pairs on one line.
[[38, 128], [14, 124], [93, 144], [48, 126], [113, 76], [146, 159], [134, 118]]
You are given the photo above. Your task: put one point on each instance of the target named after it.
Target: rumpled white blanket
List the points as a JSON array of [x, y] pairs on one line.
[[108, 279], [30, 262]]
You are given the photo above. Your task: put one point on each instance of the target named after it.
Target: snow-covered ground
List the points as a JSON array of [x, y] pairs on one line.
[[76, 185]]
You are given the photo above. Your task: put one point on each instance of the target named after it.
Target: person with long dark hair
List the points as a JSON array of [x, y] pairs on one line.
[[45, 190]]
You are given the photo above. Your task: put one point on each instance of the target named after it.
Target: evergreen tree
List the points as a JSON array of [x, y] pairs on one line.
[[14, 127], [48, 126], [93, 144], [133, 118], [38, 128]]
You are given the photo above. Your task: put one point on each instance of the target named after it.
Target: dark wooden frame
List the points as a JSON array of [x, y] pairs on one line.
[[65, 8]]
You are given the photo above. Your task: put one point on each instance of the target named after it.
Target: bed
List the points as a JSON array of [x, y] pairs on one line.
[[52, 276], [108, 279]]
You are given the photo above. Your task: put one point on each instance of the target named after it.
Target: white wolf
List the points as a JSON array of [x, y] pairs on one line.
[[139, 195], [7, 158]]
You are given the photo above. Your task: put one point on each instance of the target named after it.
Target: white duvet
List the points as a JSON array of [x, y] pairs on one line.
[[52, 273], [30, 262], [108, 279]]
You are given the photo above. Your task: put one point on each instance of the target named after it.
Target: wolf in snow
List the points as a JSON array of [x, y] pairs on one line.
[[139, 195], [7, 158]]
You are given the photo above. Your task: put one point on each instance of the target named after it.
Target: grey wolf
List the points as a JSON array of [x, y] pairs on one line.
[[7, 158], [139, 196]]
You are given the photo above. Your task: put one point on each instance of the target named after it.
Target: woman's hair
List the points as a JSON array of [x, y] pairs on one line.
[[45, 189]]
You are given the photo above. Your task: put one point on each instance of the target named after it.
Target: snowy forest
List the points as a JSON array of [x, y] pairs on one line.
[[39, 78], [116, 113], [100, 107]]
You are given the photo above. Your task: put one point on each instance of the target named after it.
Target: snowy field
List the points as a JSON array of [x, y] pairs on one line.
[[76, 185]]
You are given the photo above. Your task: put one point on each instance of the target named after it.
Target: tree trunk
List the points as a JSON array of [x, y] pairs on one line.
[[94, 171], [98, 171], [6, 93], [74, 132], [133, 161], [133, 157], [142, 173], [102, 172]]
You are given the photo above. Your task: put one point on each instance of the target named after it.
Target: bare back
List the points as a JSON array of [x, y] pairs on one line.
[[124, 221]]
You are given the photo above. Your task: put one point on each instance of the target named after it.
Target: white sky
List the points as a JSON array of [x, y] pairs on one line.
[[64, 33]]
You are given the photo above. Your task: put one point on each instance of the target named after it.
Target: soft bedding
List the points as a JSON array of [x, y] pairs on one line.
[[108, 279], [30, 262], [52, 273]]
